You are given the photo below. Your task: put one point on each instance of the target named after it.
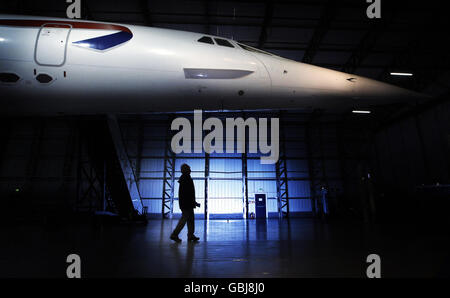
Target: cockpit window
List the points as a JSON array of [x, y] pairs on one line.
[[206, 39], [248, 48], [223, 42]]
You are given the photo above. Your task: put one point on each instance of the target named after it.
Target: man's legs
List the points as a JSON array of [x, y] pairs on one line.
[[180, 224], [190, 222], [187, 216], [191, 226]]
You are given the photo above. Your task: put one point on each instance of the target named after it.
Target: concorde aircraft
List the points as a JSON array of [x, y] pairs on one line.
[[65, 66]]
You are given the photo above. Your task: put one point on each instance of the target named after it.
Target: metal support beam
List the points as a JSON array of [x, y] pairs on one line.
[[91, 195], [145, 8], [324, 182], [369, 39], [206, 184], [90, 184], [312, 160], [125, 164], [71, 145], [35, 152], [139, 148], [370, 139], [321, 30], [282, 176], [406, 59], [268, 14], [245, 183], [311, 172], [169, 178], [342, 161]]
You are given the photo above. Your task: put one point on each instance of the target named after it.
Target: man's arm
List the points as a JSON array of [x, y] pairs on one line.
[[194, 202]]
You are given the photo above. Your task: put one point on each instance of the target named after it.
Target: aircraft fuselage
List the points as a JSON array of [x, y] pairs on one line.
[[50, 65]]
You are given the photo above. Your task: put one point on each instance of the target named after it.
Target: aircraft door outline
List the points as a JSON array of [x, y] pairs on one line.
[[51, 44]]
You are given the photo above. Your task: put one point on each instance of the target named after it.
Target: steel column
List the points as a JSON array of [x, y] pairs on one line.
[[310, 168], [282, 179], [206, 184], [245, 183], [169, 178]]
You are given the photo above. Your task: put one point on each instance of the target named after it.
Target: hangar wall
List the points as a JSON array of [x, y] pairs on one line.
[[413, 163], [415, 151], [40, 159], [38, 165], [317, 153]]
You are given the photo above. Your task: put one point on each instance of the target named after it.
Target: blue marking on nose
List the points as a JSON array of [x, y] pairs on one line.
[[105, 42]]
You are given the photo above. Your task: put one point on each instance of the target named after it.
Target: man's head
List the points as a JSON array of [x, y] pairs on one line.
[[185, 169]]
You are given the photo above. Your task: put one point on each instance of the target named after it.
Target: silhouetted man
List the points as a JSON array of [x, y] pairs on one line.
[[186, 199]]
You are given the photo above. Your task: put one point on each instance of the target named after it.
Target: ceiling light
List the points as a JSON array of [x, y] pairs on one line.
[[406, 74]]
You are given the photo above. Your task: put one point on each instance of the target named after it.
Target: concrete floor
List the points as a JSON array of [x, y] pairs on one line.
[[234, 248]]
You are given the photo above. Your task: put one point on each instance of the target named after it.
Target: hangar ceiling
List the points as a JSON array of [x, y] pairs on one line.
[[410, 36]]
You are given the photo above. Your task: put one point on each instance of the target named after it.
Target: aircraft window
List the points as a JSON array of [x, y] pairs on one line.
[[223, 42], [7, 77], [248, 48], [206, 39], [44, 78]]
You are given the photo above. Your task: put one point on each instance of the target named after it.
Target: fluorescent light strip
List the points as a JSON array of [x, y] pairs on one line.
[[407, 74], [361, 112]]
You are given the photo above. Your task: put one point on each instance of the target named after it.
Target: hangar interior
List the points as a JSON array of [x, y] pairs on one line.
[[52, 151], [390, 165], [46, 159]]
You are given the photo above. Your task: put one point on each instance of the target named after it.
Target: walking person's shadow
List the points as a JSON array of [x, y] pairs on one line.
[[184, 258]]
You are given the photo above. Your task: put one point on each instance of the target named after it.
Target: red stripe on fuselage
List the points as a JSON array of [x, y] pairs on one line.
[[60, 24]]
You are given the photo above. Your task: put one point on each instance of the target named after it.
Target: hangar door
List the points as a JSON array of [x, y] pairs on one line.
[[225, 192], [51, 44]]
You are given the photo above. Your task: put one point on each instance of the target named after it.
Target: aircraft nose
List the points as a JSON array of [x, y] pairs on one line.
[[368, 87]]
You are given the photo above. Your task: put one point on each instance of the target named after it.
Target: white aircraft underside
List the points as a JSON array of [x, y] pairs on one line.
[[52, 66]]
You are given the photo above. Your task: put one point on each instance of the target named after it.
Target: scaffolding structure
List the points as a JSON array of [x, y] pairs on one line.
[[169, 179]]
